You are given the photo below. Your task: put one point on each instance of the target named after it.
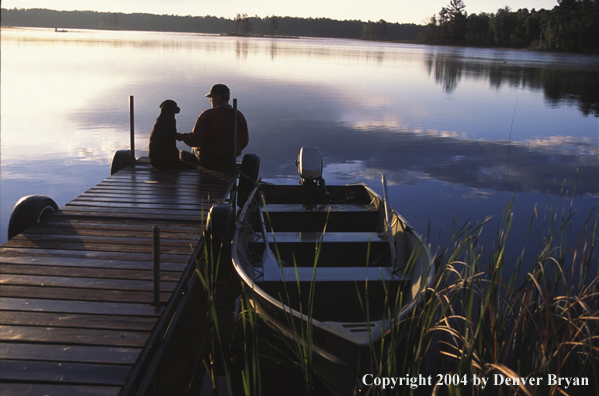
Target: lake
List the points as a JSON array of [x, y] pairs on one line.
[[458, 132]]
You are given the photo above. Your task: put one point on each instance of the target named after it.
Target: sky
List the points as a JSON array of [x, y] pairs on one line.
[[402, 11]]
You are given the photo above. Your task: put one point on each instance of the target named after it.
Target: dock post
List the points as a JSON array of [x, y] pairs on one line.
[[233, 195], [234, 131], [156, 259], [132, 130]]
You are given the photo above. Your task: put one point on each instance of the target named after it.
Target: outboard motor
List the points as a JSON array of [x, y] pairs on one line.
[[309, 166]]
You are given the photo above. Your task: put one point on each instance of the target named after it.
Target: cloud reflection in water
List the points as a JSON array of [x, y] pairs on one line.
[[406, 156]]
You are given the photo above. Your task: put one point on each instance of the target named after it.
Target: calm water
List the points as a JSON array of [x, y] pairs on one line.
[[457, 131]]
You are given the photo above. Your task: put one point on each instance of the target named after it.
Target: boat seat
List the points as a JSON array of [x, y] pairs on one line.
[[336, 217], [337, 250], [273, 271], [327, 237], [335, 294], [328, 274]]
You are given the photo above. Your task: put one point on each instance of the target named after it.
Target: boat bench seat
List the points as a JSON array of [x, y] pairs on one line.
[[328, 237], [338, 249], [337, 218], [335, 294], [329, 274]]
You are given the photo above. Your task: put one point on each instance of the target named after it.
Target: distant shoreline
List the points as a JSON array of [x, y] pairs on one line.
[[408, 42], [259, 36], [279, 26], [534, 31]]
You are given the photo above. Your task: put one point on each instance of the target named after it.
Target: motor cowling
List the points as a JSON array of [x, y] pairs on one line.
[[309, 164]]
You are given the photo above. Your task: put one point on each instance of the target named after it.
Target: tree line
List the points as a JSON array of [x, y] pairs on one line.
[[242, 24], [572, 26]]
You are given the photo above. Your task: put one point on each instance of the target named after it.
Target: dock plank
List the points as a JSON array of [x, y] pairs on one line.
[[83, 283], [123, 223], [63, 373], [67, 336], [120, 187], [71, 353], [166, 276], [27, 389], [60, 262], [143, 197], [156, 206], [138, 241], [75, 320], [184, 215], [54, 293], [93, 228], [91, 246], [183, 257], [70, 223], [98, 308]]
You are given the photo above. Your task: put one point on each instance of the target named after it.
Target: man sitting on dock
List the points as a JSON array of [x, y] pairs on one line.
[[212, 135]]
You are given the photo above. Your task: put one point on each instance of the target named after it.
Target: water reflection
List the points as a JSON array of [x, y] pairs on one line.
[[407, 156], [571, 86]]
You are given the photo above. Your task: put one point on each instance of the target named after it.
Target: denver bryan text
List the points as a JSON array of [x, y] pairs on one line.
[[551, 380]]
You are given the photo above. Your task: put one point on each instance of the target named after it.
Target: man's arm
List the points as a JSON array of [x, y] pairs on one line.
[[195, 138]]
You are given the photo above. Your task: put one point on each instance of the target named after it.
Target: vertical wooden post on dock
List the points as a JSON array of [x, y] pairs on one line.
[[132, 130], [156, 259], [233, 196], [234, 131]]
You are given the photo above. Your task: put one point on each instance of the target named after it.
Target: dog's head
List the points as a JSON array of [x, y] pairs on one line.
[[169, 107]]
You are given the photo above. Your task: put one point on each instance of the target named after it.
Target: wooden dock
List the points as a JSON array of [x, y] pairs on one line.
[[76, 289]]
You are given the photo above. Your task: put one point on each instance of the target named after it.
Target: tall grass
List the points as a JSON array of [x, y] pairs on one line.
[[216, 340], [475, 320], [253, 351], [475, 323]]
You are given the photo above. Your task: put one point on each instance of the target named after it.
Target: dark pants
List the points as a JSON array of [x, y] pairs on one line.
[[214, 163]]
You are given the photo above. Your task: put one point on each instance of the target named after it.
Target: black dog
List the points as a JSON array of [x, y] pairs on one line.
[[163, 150]]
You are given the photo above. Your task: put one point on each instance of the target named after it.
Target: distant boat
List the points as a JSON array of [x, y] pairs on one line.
[[60, 31]]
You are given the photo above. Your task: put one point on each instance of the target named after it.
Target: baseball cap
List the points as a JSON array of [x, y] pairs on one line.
[[218, 89]]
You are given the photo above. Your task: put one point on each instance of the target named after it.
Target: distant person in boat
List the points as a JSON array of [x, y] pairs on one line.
[[212, 135], [162, 149]]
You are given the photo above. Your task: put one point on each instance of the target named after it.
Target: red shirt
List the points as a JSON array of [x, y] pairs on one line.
[[213, 133]]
